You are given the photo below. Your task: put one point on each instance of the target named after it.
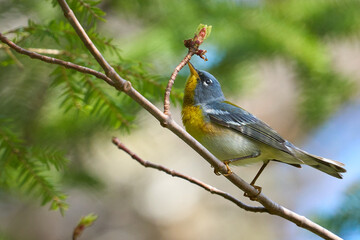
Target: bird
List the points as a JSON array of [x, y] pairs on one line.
[[236, 136]]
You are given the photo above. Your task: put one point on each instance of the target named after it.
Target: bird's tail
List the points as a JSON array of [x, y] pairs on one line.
[[331, 167]]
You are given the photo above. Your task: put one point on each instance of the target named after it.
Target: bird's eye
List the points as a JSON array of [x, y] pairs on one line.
[[207, 82]]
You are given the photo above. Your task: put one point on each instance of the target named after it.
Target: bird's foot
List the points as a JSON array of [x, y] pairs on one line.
[[254, 197], [229, 172]]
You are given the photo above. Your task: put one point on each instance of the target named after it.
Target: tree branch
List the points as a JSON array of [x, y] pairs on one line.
[[55, 60], [125, 86], [195, 181], [109, 71]]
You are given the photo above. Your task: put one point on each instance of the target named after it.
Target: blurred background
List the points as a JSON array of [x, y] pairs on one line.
[[293, 64]]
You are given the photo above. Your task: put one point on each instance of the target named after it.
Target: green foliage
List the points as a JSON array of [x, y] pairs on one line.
[[243, 34], [4, 237], [28, 168], [29, 159]]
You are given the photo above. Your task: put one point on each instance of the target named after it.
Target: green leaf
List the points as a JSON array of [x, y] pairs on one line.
[[207, 30], [84, 222]]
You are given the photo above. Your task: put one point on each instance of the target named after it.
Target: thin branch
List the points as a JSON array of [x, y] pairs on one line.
[[195, 181], [193, 45], [125, 86], [49, 51], [109, 71], [55, 60], [172, 81]]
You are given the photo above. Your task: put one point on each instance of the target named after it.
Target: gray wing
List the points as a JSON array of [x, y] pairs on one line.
[[238, 119]]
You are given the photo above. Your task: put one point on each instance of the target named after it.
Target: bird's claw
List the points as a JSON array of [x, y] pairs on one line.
[[254, 197], [229, 172]]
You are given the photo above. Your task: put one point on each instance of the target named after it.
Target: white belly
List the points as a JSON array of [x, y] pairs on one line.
[[235, 145], [232, 145]]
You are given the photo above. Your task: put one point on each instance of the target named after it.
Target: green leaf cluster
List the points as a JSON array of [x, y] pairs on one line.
[[28, 168], [53, 109]]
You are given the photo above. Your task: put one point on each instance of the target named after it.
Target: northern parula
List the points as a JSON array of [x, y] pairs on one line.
[[234, 135]]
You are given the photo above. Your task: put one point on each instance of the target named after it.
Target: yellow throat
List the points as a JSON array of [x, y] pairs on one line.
[[192, 116]]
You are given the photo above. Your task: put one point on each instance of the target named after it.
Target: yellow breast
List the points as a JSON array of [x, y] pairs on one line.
[[195, 124], [192, 117]]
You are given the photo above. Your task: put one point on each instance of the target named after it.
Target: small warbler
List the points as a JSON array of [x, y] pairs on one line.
[[234, 135]]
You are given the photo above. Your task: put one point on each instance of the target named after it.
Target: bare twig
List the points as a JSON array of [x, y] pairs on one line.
[[55, 60], [125, 86], [193, 46], [195, 181], [172, 81], [109, 71]]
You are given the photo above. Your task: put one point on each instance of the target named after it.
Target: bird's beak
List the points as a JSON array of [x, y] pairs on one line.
[[193, 71]]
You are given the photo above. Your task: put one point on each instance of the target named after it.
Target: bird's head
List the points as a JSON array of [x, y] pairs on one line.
[[201, 87]]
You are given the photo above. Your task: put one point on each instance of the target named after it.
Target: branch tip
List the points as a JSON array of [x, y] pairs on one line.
[[202, 32]]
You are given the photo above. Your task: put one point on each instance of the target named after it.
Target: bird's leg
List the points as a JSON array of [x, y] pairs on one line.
[[253, 198], [227, 162]]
